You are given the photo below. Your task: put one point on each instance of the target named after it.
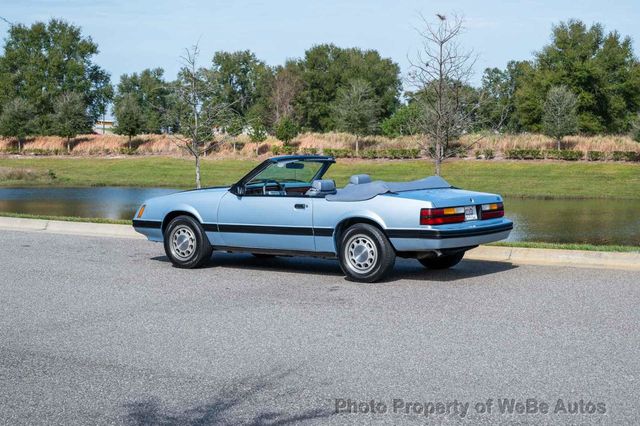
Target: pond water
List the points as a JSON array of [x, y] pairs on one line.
[[556, 220]]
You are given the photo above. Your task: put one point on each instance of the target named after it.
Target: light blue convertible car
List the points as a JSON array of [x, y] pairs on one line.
[[285, 207]]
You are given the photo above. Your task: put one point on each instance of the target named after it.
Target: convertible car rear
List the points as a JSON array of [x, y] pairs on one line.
[[285, 207]]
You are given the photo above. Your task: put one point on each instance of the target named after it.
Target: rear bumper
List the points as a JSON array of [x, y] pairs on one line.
[[449, 237]]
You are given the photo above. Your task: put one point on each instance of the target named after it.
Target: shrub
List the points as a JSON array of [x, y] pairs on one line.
[[486, 153], [289, 150], [571, 155], [525, 154], [632, 156], [617, 155], [553, 154], [128, 151], [276, 150], [596, 155], [309, 151], [370, 154], [338, 153]]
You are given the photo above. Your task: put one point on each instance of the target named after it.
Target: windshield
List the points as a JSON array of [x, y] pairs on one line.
[[289, 171]]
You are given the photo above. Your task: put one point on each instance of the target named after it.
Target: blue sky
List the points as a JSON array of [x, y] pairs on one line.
[[133, 35]]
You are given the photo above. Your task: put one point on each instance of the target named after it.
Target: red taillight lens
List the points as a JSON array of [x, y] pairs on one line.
[[440, 216], [492, 211]]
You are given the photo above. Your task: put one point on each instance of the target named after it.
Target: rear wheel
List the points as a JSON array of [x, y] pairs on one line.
[[366, 255], [186, 243], [442, 262]]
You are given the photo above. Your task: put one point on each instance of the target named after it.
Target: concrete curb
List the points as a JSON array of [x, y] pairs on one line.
[[577, 258], [74, 228], [517, 255]]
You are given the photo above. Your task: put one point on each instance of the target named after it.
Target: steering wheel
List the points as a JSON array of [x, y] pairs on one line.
[[265, 182]]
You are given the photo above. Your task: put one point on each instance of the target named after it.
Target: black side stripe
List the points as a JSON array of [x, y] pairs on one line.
[[260, 229], [444, 234], [328, 232], [155, 224]]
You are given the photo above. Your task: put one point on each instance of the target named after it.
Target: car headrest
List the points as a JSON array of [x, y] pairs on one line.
[[324, 185], [358, 179]]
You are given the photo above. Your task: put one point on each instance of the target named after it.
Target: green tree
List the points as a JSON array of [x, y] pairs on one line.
[[16, 120], [498, 92], [129, 117], [243, 81], [258, 133], [356, 110], [44, 61], [286, 130], [151, 93], [599, 68], [235, 129], [325, 68], [560, 117], [402, 122], [70, 117]]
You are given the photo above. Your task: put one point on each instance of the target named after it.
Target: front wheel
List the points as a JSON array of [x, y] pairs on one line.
[[186, 243], [366, 255], [442, 262]]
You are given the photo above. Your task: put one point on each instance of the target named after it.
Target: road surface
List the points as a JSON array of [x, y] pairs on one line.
[[105, 330]]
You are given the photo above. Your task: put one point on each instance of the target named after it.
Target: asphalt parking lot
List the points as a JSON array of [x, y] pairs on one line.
[[104, 330]]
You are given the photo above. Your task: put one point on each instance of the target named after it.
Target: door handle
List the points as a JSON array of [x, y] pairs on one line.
[[299, 206]]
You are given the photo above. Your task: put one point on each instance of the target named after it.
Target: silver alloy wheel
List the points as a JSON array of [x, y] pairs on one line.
[[183, 242], [361, 254]]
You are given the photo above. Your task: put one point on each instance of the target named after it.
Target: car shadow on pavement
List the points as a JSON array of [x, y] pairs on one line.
[[410, 269], [248, 402], [404, 268]]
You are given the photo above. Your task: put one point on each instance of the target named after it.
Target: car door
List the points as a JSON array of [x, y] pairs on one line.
[[266, 222]]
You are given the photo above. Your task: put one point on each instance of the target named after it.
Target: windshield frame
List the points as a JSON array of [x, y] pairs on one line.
[[239, 187]]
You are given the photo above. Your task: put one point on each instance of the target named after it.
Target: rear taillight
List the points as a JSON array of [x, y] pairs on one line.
[[440, 216], [492, 211]]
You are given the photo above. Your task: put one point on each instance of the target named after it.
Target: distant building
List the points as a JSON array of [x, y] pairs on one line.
[[104, 126]]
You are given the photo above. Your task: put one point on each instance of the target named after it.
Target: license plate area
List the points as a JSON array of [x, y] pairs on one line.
[[470, 213]]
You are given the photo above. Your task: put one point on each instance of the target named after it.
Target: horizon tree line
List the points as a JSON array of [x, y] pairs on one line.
[[585, 80]]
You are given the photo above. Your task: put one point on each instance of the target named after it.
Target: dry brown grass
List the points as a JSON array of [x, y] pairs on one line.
[[608, 143], [96, 145]]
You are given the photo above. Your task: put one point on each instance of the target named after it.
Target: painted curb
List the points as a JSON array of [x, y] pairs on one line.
[[517, 255]]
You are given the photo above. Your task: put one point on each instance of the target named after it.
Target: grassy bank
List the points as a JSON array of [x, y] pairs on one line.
[[66, 218], [511, 178]]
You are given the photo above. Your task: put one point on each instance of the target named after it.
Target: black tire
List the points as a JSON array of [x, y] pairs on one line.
[[361, 264], [442, 262], [194, 250]]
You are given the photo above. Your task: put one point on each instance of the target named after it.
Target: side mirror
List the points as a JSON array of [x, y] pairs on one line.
[[237, 189]]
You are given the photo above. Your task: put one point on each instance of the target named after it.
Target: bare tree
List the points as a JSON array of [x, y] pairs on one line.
[[197, 110], [446, 101], [286, 85], [560, 118]]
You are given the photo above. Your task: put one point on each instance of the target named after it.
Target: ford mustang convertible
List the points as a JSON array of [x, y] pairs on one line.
[[284, 207]]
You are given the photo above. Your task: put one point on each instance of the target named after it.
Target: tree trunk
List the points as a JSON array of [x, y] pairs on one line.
[[198, 186], [19, 145], [129, 142], [68, 145], [357, 146], [438, 158], [559, 142]]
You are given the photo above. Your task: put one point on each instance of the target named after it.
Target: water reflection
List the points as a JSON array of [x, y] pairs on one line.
[[564, 221]]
